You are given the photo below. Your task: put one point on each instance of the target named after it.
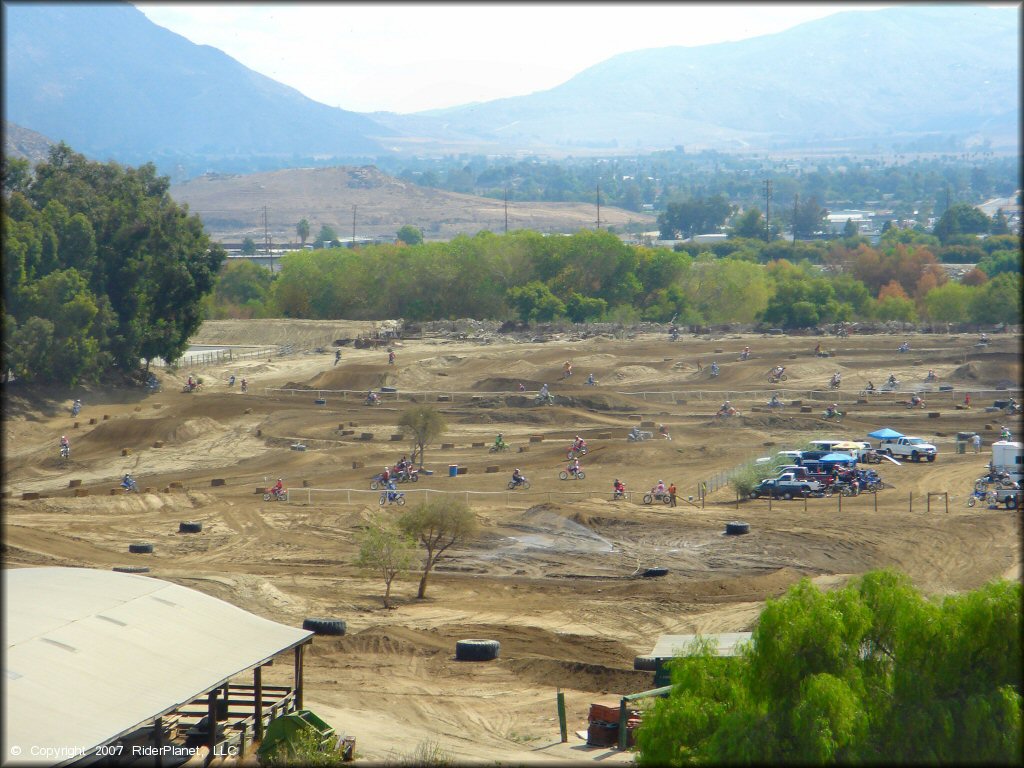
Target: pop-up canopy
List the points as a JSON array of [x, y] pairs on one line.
[[885, 434], [835, 458]]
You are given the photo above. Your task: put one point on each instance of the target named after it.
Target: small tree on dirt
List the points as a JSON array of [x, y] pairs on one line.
[[437, 525], [386, 550], [424, 424]]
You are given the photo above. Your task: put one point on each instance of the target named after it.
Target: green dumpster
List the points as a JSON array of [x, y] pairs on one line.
[[961, 447], [284, 730]]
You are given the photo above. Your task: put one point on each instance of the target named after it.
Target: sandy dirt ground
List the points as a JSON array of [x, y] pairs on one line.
[[553, 573]]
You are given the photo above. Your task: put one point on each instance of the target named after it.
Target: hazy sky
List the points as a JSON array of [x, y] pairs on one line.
[[407, 57]]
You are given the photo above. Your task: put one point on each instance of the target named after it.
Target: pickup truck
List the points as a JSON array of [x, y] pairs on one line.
[[913, 448], [786, 486]]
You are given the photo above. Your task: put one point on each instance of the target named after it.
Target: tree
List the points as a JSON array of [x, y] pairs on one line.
[[535, 301], [693, 216], [949, 303], [327, 235], [248, 246], [807, 217], [302, 230], [998, 262], [424, 424], [387, 550], [870, 673], [750, 224], [998, 300], [410, 235], [850, 229], [437, 525], [961, 219]]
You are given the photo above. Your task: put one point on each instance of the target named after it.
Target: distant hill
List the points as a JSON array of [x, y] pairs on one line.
[[231, 206], [113, 85], [23, 143], [898, 76]]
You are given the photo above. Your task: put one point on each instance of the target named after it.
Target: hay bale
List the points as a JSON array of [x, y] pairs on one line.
[[305, 483], [805, 409], [75, 425], [126, 451], [604, 436], [357, 465], [114, 491], [536, 438], [138, 408], [719, 350], [646, 425], [81, 492], [217, 481], [444, 398], [934, 414], [248, 410], [29, 496], [491, 469], [366, 436], [157, 405], [106, 416], [524, 448], [92, 421], [461, 470], [346, 432], [74, 483], [158, 444], [478, 445], [397, 437], [447, 446], [796, 402], [259, 433], [175, 484], [862, 401]]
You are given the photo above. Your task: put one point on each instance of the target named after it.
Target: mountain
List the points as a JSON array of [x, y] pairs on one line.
[[113, 85], [885, 75], [26, 144]]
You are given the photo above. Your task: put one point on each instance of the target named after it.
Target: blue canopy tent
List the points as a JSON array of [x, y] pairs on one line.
[[837, 458], [885, 434]]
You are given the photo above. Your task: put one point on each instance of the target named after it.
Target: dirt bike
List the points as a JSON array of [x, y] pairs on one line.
[[372, 401], [271, 495], [724, 413], [245, 387], [1012, 409], [392, 497], [407, 476], [65, 451], [186, 388], [650, 498], [574, 452], [578, 475], [76, 409], [837, 415], [129, 486], [544, 400], [833, 385], [775, 404], [152, 383], [773, 379], [524, 484], [379, 482], [714, 373], [990, 496], [617, 494], [639, 437], [912, 404], [498, 447]]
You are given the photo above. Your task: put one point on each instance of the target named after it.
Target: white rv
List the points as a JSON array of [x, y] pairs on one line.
[[1008, 457]]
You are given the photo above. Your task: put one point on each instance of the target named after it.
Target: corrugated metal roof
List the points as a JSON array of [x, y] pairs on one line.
[[94, 654], [676, 645]]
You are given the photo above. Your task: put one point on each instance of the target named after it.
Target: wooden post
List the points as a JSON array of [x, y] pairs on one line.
[[257, 684], [561, 716], [946, 494], [875, 494], [840, 497], [623, 738], [298, 677], [159, 726], [910, 508]]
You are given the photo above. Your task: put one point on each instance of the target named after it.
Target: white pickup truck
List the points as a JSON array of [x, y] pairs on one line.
[[913, 448]]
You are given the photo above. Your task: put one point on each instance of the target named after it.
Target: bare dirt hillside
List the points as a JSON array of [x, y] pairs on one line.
[[554, 573], [231, 206]]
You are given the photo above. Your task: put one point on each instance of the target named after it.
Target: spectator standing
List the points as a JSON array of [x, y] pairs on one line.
[[672, 494], [976, 441]]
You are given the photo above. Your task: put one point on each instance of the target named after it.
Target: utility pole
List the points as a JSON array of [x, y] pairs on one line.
[[598, 206], [266, 240], [353, 227], [506, 210], [796, 205], [767, 210]]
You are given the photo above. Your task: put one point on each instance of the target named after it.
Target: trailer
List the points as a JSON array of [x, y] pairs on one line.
[[1008, 457]]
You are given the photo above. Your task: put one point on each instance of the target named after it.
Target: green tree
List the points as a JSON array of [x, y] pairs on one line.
[[869, 673], [807, 218], [750, 224], [961, 219], [302, 230], [850, 229], [327, 235], [248, 246], [410, 235], [690, 217], [998, 262], [424, 424], [535, 301], [949, 303], [437, 525], [387, 550], [998, 300], [895, 308]]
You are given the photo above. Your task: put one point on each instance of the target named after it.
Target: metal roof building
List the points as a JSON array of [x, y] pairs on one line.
[[93, 655]]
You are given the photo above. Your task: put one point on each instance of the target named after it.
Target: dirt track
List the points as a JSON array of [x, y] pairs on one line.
[[552, 574]]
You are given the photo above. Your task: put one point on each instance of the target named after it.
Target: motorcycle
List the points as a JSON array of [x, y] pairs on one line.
[[524, 484], [617, 495], [725, 412], [548, 399], [152, 383], [837, 415], [578, 475], [372, 401], [639, 436], [775, 404], [833, 384], [776, 378], [129, 485], [245, 387], [411, 475], [271, 495], [664, 498], [76, 409], [714, 372], [498, 447], [65, 451], [193, 387], [574, 452], [392, 497], [990, 497], [912, 404]]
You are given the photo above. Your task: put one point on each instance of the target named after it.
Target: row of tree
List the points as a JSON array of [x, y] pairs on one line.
[[102, 269], [870, 673], [593, 276]]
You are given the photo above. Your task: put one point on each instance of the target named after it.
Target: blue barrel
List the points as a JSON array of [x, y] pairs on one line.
[[453, 470]]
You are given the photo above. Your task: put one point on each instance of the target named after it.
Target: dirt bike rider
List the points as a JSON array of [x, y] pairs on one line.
[[499, 442], [635, 433], [745, 353], [65, 446], [1004, 434], [726, 408], [579, 443], [659, 490], [892, 380], [391, 357], [915, 400], [714, 368], [774, 402], [930, 376], [590, 380], [278, 488], [904, 347], [517, 477], [385, 476], [245, 385], [776, 372], [619, 488], [832, 410], [128, 482], [870, 387], [573, 468], [567, 368], [371, 397], [402, 467], [76, 407], [837, 379], [522, 387], [544, 394], [190, 384]]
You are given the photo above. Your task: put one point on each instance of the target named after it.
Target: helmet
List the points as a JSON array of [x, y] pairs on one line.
[[280, 480], [63, 437], [661, 481], [517, 469]]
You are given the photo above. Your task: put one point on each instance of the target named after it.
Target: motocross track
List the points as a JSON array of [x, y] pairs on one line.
[[553, 572]]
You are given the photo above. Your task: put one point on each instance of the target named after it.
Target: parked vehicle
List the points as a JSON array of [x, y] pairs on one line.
[[913, 447], [789, 488]]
